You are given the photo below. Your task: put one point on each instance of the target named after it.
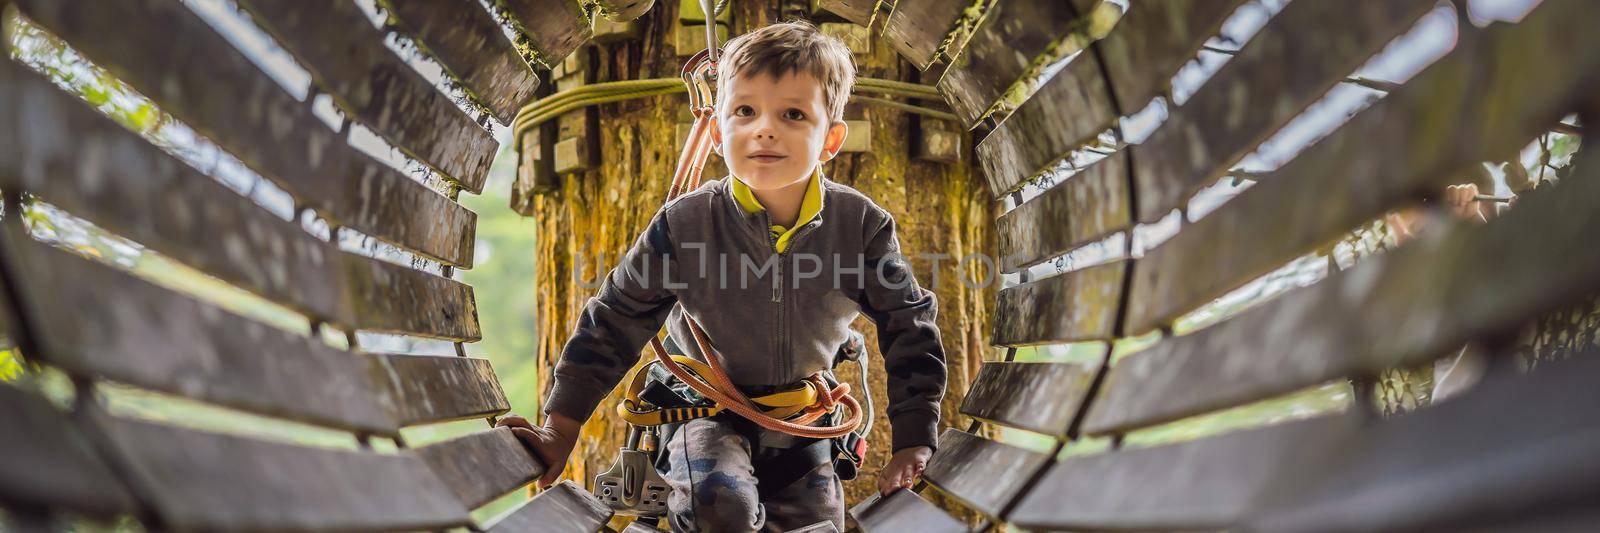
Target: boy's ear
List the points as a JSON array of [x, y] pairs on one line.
[[716, 136], [835, 140]]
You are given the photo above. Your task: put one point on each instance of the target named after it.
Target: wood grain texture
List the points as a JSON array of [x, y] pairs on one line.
[[46, 462], [907, 511], [346, 57], [152, 337], [1202, 485], [1064, 114], [171, 56], [1003, 46], [395, 299], [1415, 142], [554, 27], [207, 481], [482, 466], [93, 168], [565, 506], [1403, 308], [467, 40], [1087, 206], [857, 11], [916, 29], [1301, 53], [1153, 40], [985, 475], [1077, 306], [1039, 397], [430, 388]]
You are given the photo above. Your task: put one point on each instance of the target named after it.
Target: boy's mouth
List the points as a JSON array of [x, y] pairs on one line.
[[767, 157]]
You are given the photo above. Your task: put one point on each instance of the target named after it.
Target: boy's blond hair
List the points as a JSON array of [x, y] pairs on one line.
[[790, 47]]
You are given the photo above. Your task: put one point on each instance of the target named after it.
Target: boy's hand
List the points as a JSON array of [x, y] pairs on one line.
[[551, 444], [903, 469]]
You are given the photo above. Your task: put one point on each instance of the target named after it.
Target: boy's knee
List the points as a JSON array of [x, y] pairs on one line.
[[721, 502]]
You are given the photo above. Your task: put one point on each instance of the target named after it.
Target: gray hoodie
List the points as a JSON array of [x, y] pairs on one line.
[[775, 318]]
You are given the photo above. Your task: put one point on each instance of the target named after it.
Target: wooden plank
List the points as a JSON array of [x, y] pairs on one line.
[[46, 463], [1066, 112], [91, 167], [1203, 485], [346, 57], [1076, 306], [904, 510], [439, 388], [1301, 53], [1400, 309], [395, 299], [1153, 40], [1461, 110], [563, 507], [1003, 47], [1438, 469], [1039, 397], [468, 42], [96, 321], [171, 56], [857, 11], [985, 475], [916, 29], [207, 481], [482, 466], [554, 28], [1087, 206]]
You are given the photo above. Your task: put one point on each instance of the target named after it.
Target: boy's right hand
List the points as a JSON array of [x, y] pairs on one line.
[[551, 444]]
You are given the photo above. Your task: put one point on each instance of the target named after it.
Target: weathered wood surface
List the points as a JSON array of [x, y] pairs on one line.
[[1399, 309], [93, 168], [1066, 112], [45, 462], [346, 57], [1076, 306], [431, 388], [1153, 40], [565, 506], [395, 299], [1300, 54], [96, 321], [1087, 206], [1500, 454], [1208, 484], [1463, 109], [198, 481], [468, 41], [916, 29], [1039, 397], [482, 466], [905, 510], [554, 27], [167, 53], [985, 475], [857, 11], [1002, 48]]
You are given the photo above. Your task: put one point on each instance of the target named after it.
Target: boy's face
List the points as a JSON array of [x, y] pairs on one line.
[[773, 132]]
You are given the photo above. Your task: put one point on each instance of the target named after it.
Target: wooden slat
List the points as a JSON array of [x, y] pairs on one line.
[[97, 321], [1501, 454], [93, 168], [482, 466], [857, 11], [346, 57], [1399, 309], [982, 473], [1208, 484], [563, 507], [1040, 397], [206, 481], [554, 27], [439, 388], [1003, 47], [1087, 206], [1076, 306], [45, 462], [468, 42], [916, 29], [1066, 112], [169, 55], [1153, 40], [1300, 54], [907, 511], [395, 299], [1463, 109]]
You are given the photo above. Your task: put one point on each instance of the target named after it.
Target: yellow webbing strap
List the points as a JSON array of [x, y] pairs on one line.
[[639, 413]]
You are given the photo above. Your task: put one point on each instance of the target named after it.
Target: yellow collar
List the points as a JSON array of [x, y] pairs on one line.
[[810, 206]]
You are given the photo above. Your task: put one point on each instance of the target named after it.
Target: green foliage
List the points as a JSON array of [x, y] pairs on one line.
[[503, 278]]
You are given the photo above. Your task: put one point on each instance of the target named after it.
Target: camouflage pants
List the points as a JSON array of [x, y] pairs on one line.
[[714, 484]]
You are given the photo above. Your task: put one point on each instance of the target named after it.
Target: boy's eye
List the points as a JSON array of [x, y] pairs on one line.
[[743, 111], [794, 114]]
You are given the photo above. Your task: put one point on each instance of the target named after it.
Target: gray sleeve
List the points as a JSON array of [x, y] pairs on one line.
[[908, 336]]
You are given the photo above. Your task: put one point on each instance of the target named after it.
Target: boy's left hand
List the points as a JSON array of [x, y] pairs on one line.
[[903, 469]]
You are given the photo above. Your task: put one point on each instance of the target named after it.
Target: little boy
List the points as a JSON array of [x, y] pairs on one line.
[[774, 263]]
